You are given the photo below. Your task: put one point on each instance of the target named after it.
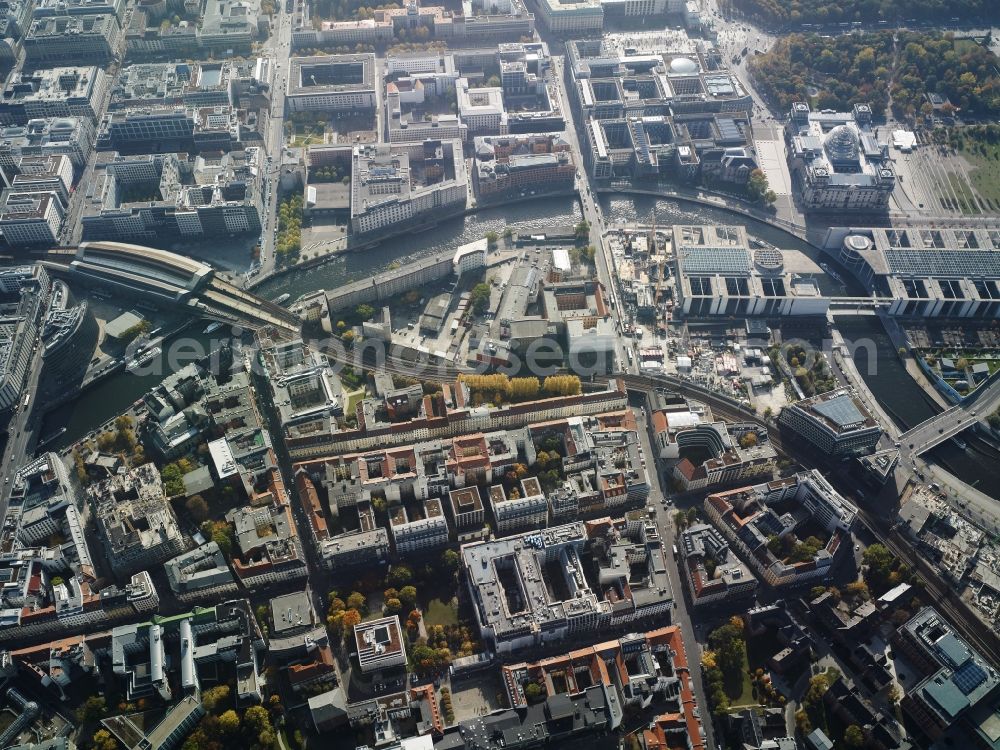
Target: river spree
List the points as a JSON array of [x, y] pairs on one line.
[[908, 405], [904, 400]]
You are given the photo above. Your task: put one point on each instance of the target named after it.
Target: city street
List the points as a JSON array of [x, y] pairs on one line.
[[592, 215], [21, 432], [663, 515], [278, 49]]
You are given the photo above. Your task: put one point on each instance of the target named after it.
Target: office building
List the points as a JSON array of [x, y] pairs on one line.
[[380, 644], [716, 273], [72, 136], [736, 453], [713, 574], [659, 103], [15, 15], [200, 197], [571, 18], [173, 84], [54, 92], [73, 40], [405, 183], [924, 271], [52, 8], [956, 684], [135, 520], [24, 291], [69, 335], [839, 162], [231, 25], [481, 109], [478, 22], [507, 166], [162, 129], [331, 82], [836, 422], [30, 219], [200, 574], [44, 174]]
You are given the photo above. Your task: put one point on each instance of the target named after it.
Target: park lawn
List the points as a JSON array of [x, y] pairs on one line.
[[966, 200], [438, 612], [746, 696], [985, 171]]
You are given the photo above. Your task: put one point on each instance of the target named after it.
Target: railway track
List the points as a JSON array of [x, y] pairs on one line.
[[945, 599]]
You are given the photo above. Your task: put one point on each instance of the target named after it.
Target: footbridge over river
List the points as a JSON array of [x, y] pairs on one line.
[[943, 426]]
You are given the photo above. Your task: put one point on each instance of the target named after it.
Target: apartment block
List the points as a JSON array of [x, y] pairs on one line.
[[532, 589], [362, 547], [426, 531], [270, 550], [713, 574], [769, 525], [44, 506]]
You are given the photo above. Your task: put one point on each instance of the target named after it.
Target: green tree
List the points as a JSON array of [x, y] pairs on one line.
[[399, 575], [357, 601], [480, 297], [450, 560], [854, 736], [92, 709], [215, 697], [408, 595], [103, 740], [365, 311], [197, 508], [533, 692]]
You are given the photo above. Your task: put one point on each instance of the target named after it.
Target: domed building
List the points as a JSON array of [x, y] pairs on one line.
[[841, 163]]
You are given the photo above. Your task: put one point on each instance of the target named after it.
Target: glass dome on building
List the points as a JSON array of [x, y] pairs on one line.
[[841, 144]]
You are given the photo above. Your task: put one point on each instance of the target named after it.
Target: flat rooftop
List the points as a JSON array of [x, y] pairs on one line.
[[331, 74]]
